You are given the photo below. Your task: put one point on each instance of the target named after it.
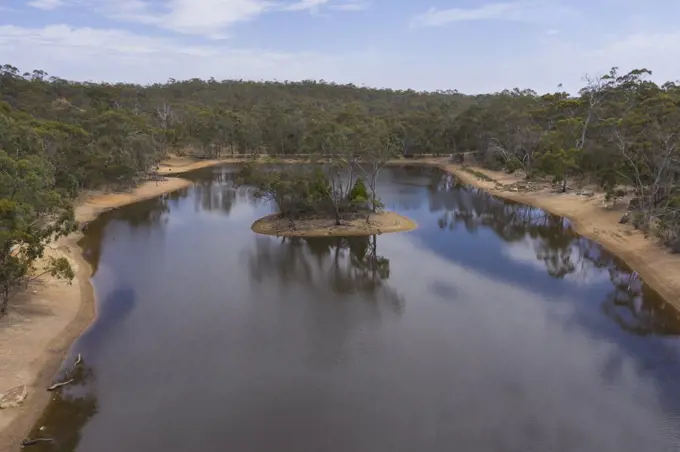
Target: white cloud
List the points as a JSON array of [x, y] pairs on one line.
[[209, 18], [203, 17], [303, 5], [537, 11], [434, 16], [86, 42], [351, 5], [119, 55], [46, 4]]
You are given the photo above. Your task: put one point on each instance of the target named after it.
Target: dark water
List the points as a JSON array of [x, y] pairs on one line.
[[492, 327]]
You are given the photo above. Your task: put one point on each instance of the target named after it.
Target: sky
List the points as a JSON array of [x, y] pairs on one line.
[[473, 46]]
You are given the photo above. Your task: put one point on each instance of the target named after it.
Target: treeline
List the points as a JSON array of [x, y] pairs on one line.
[[94, 134], [621, 131], [58, 137]]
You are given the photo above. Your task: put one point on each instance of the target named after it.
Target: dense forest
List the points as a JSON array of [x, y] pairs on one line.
[[59, 137]]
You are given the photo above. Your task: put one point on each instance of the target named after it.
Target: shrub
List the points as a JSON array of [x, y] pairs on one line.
[[513, 165], [358, 194]]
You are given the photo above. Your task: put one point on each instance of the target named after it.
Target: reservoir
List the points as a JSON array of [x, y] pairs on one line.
[[492, 327]]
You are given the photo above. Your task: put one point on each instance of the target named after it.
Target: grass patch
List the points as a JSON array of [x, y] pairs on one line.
[[477, 174]]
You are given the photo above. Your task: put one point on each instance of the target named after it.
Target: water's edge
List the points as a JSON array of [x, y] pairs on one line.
[[648, 269], [54, 356]]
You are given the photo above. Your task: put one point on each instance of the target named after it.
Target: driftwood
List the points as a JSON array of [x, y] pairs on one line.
[[79, 360], [59, 385], [33, 442]]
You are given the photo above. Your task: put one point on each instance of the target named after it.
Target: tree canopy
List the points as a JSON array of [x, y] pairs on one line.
[[58, 137]]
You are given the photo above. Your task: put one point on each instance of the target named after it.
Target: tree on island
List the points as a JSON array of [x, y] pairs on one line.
[[379, 149], [327, 185]]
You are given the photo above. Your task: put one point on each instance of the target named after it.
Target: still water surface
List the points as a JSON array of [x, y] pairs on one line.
[[492, 327]]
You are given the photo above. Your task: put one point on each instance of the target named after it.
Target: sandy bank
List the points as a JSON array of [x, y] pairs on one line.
[[658, 268], [381, 223], [179, 165], [35, 335], [93, 203], [44, 321]]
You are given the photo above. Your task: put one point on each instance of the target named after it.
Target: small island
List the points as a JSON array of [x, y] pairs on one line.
[[379, 223], [335, 198]]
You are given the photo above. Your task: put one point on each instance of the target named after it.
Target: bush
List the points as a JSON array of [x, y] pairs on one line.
[[513, 165], [358, 194], [639, 220]]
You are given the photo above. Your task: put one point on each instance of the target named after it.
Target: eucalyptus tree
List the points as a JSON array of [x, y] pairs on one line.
[[32, 214]]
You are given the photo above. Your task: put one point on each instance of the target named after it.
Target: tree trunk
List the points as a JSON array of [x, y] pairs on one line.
[[4, 301], [374, 256]]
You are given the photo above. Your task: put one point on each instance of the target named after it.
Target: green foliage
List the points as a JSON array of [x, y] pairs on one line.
[[295, 190], [358, 193], [513, 165], [478, 174], [32, 213], [619, 129], [613, 194], [560, 163], [60, 268]]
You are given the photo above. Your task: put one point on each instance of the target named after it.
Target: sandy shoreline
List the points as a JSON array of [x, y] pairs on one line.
[[381, 223], [43, 322], [92, 204], [46, 320], [659, 268], [180, 165], [35, 335]]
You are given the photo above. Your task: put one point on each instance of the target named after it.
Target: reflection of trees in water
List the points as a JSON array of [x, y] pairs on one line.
[[148, 213], [219, 193], [212, 192], [633, 306], [70, 410], [340, 285], [346, 265], [214, 195], [402, 185], [629, 306], [403, 174]]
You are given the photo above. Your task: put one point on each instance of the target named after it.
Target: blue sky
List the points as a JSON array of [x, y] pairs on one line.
[[472, 46]]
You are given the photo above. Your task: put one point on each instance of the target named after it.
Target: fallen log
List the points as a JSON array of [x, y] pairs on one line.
[[59, 385], [33, 442]]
